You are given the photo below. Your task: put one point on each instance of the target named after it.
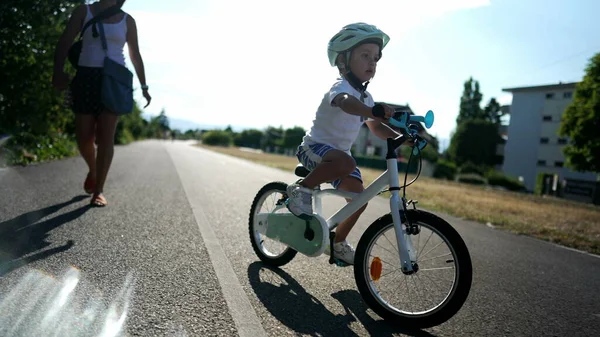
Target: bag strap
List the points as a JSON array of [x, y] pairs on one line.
[[103, 38], [101, 16]]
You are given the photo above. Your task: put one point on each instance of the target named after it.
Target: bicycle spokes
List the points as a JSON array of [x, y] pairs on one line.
[[419, 291]]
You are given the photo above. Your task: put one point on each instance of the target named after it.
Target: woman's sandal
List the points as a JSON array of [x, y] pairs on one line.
[[89, 185], [98, 200]]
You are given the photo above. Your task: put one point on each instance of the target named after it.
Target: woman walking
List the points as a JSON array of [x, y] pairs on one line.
[[95, 123]]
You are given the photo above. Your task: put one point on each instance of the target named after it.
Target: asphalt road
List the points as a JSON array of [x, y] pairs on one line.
[[170, 256]]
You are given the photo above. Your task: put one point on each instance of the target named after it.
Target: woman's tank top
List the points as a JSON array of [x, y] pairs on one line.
[[92, 54]]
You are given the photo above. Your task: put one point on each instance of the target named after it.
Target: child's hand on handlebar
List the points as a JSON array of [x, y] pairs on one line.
[[382, 112]]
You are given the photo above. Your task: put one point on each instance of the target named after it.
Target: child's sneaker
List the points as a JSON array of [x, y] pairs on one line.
[[299, 200], [342, 251]]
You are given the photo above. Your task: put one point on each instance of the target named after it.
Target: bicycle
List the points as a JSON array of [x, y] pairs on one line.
[[311, 236]]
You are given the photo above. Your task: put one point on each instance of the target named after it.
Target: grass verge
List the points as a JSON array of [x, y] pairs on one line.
[[567, 223]]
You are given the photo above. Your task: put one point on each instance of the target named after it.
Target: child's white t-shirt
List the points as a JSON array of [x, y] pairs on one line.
[[334, 127]]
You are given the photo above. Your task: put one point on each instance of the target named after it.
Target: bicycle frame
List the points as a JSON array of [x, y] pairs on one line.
[[389, 177]]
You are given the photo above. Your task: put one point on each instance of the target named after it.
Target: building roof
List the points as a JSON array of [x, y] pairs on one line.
[[560, 85]]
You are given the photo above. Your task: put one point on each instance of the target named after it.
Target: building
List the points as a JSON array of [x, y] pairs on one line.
[[533, 145]]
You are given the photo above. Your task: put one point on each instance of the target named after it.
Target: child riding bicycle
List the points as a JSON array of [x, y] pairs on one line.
[[325, 149]]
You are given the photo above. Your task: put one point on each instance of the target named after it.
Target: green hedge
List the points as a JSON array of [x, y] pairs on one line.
[[444, 170], [471, 178], [470, 168], [495, 178], [217, 137], [380, 164]]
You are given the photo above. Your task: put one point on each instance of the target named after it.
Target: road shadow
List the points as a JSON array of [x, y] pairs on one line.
[[294, 307], [24, 235]]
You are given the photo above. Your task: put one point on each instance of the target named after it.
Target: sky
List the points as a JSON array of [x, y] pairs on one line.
[[253, 64]]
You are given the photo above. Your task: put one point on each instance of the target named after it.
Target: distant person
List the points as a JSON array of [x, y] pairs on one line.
[[94, 122], [325, 149]]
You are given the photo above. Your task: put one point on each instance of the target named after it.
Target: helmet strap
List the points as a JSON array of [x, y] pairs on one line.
[[354, 81]]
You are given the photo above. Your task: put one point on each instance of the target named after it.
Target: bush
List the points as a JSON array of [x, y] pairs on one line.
[[495, 178], [471, 178], [217, 137], [25, 148], [429, 153], [124, 137], [444, 170], [470, 168]]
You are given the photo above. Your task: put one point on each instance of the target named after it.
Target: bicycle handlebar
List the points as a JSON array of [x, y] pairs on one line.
[[402, 120]]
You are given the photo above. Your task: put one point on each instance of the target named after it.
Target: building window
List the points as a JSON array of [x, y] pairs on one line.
[[547, 118], [562, 141], [558, 163], [567, 94], [550, 95], [541, 163], [544, 140]]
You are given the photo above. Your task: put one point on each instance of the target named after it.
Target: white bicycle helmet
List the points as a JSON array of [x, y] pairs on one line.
[[353, 35]]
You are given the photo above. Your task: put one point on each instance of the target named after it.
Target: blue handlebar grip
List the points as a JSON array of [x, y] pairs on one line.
[[395, 122], [399, 123]]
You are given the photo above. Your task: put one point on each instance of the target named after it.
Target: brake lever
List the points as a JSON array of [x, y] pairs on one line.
[[419, 144]]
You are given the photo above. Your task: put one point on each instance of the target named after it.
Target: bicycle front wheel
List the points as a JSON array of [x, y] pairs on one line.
[[432, 294]]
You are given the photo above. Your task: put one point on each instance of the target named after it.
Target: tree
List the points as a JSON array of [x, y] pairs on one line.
[[476, 136], [130, 127], [272, 137], [249, 138], [292, 137], [581, 122], [492, 112], [31, 110], [475, 141], [29, 31], [470, 102]]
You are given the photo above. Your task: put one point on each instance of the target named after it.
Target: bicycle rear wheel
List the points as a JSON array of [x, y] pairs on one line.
[[431, 295], [269, 199]]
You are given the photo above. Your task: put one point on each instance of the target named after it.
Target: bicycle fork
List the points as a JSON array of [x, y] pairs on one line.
[[406, 252]]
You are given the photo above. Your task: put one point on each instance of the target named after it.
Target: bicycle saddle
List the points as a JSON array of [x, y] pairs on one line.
[[301, 171]]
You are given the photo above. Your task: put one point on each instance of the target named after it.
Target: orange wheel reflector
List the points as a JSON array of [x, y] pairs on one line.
[[376, 268]]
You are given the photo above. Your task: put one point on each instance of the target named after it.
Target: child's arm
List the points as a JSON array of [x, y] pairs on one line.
[[351, 105], [382, 130]]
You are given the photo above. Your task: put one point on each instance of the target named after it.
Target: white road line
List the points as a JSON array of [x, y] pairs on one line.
[[243, 314], [246, 321]]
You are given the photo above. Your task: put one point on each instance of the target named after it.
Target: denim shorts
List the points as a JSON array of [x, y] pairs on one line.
[[311, 155]]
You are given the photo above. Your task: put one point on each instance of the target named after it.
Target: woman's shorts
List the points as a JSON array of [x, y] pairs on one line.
[[311, 155], [85, 91]]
